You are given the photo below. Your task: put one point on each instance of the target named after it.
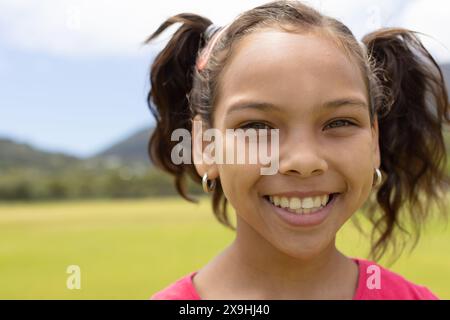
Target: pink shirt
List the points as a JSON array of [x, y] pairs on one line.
[[390, 286]]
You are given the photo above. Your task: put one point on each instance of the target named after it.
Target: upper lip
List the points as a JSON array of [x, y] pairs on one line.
[[299, 194]]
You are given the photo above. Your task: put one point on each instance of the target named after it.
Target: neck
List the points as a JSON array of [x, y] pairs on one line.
[[259, 264]]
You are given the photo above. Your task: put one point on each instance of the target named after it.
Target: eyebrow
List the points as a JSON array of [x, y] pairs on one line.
[[266, 106]]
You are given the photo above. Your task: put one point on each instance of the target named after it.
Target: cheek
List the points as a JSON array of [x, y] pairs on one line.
[[238, 180], [238, 183], [355, 162]]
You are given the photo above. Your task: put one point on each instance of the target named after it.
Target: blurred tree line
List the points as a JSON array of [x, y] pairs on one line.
[[27, 173], [77, 183]]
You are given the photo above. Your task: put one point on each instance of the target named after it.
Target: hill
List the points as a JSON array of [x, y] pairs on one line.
[[130, 150], [14, 154]]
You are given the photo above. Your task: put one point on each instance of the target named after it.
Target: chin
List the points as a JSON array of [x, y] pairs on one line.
[[302, 248]]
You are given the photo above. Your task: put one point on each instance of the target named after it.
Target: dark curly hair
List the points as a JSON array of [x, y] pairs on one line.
[[404, 83]]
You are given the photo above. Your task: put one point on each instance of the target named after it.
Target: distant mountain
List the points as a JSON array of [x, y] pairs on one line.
[[130, 150], [14, 155]]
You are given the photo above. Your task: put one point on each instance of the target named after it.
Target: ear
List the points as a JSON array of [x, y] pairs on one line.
[[375, 143], [201, 162]]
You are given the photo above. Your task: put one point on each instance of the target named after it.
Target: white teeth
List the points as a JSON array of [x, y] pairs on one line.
[[324, 199], [307, 211], [317, 201], [307, 203], [284, 202], [301, 206], [276, 201], [295, 203]]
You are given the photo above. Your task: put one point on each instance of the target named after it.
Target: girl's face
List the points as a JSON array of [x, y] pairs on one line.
[[325, 144]]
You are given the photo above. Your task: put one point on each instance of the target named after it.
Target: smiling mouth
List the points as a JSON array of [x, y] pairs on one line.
[[298, 207]]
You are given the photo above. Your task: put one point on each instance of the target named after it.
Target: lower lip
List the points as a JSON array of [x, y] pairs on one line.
[[304, 220]]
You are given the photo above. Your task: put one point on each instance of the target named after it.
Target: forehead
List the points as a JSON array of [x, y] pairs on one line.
[[289, 68]]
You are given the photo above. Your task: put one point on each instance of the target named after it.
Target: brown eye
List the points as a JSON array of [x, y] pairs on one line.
[[340, 123], [256, 126]]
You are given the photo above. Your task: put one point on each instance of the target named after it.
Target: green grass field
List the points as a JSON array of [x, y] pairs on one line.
[[130, 249]]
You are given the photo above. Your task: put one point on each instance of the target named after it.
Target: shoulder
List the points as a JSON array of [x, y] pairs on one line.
[[379, 283], [181, 289]]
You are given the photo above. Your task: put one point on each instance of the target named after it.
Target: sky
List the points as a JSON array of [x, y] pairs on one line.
[[74, 74]]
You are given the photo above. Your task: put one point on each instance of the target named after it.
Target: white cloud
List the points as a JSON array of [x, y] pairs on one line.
[[102, 27], [364, 16], [97, 27], [433, 19]]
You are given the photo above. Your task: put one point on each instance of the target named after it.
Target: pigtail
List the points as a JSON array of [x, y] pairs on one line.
[[413, 111], [171, 82]]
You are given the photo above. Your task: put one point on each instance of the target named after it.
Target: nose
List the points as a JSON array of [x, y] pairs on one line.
[[302, 157]]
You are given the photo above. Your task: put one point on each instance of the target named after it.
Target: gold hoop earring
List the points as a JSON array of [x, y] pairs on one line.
[[206, 187], [379, 178]]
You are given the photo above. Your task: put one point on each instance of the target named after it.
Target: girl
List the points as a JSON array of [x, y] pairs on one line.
[[352, 118]]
